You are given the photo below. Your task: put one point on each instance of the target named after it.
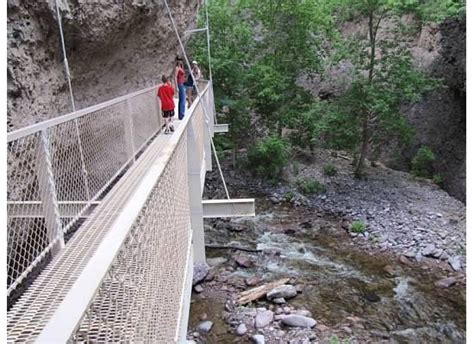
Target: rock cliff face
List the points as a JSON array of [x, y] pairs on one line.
[[113, 47], [440, 119]]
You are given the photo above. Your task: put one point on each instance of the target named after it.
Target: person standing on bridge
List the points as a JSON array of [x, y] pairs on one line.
[[180, 78], [166, 94], [193, 77]]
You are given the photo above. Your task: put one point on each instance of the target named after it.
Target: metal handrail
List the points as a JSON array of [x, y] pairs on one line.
[[34, 128], [17, 134]]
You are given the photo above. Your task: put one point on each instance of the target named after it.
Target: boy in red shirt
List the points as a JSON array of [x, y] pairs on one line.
[[166, 94]]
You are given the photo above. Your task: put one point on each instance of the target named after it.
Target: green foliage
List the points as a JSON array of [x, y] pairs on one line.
[[422, 162], [268, 157], [358, 227], [431, 10], [335, 340], [289, 196], [260, 49], [310, 186], [438, 180], [329, 170]]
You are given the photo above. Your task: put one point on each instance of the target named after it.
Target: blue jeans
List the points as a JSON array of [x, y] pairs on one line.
[[182, 101]]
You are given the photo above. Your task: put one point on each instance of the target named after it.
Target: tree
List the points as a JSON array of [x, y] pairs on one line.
[[368, 114]]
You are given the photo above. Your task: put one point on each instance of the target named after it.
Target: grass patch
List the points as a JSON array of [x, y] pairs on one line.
[[329, 170], [358, 227], [310, 186], [438, 180]]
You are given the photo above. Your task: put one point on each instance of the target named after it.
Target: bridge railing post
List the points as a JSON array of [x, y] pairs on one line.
[[195, 201], [128, 125], [212, 106], [48, 193], [208, 126]]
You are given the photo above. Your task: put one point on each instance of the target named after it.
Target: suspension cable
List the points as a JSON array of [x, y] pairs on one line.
[[183, 50], [208, 41], [66, 65]]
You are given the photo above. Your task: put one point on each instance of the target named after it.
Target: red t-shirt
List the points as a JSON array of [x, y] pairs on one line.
[[180, 77], [166, 94]]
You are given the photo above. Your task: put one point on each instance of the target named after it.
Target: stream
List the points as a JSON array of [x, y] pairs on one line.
[[391, 301]]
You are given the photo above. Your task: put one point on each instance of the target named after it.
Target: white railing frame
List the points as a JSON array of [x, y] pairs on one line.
[[46, 179], [68, 315]]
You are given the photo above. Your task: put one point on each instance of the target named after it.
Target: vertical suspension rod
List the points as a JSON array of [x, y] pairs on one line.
[[66, 65], [68, 76], [208, 41]]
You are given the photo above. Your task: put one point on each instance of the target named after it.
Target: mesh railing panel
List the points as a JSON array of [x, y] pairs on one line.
[[141, 295], [104, 144], [143, 124], [85, 154], [30, 314], [27, 238], [199, 127]]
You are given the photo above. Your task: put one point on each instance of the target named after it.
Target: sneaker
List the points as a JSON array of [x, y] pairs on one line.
[[172, 128], [167, 131]]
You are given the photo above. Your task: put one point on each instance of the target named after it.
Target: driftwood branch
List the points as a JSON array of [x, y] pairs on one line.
[[258, 292], [230, 247]]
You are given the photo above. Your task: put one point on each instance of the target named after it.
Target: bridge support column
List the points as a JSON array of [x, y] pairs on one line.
[[195, 194]]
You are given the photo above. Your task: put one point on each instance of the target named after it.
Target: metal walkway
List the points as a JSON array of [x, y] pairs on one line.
[[108, 211]]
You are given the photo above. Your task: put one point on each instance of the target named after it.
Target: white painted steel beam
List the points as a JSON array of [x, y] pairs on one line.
[[228, 208], [221, 128]]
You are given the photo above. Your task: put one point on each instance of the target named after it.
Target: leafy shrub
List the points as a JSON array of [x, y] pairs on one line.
[[289, 196], [438, 179], [422, 163], [329, 170], [296, 167], [268, 157], [358, 227], [310, 186]]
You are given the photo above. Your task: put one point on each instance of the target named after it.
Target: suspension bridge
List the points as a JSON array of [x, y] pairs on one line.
[[105, 218], [108, 211]]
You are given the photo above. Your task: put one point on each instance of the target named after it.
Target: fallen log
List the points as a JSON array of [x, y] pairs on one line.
[[258, 292]]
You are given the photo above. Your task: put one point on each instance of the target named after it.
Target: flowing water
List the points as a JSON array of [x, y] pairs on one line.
[[340, 280]]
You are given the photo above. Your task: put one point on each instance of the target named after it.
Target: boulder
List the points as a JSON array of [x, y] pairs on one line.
[[285, 291], [258, 339], [390, 270], [279, 300], [455, 263], [445, 282], [216, 261], [241, 329], [200, 272], [295, 320], [428, 250], [263, 318], [252, 281], [205, 326], [243, 261]]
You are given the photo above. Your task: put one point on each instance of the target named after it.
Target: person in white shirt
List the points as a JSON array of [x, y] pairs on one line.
[[190, 83]]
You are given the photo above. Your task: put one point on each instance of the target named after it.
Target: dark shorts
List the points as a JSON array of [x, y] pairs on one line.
[[194, 91], [168, 113]]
